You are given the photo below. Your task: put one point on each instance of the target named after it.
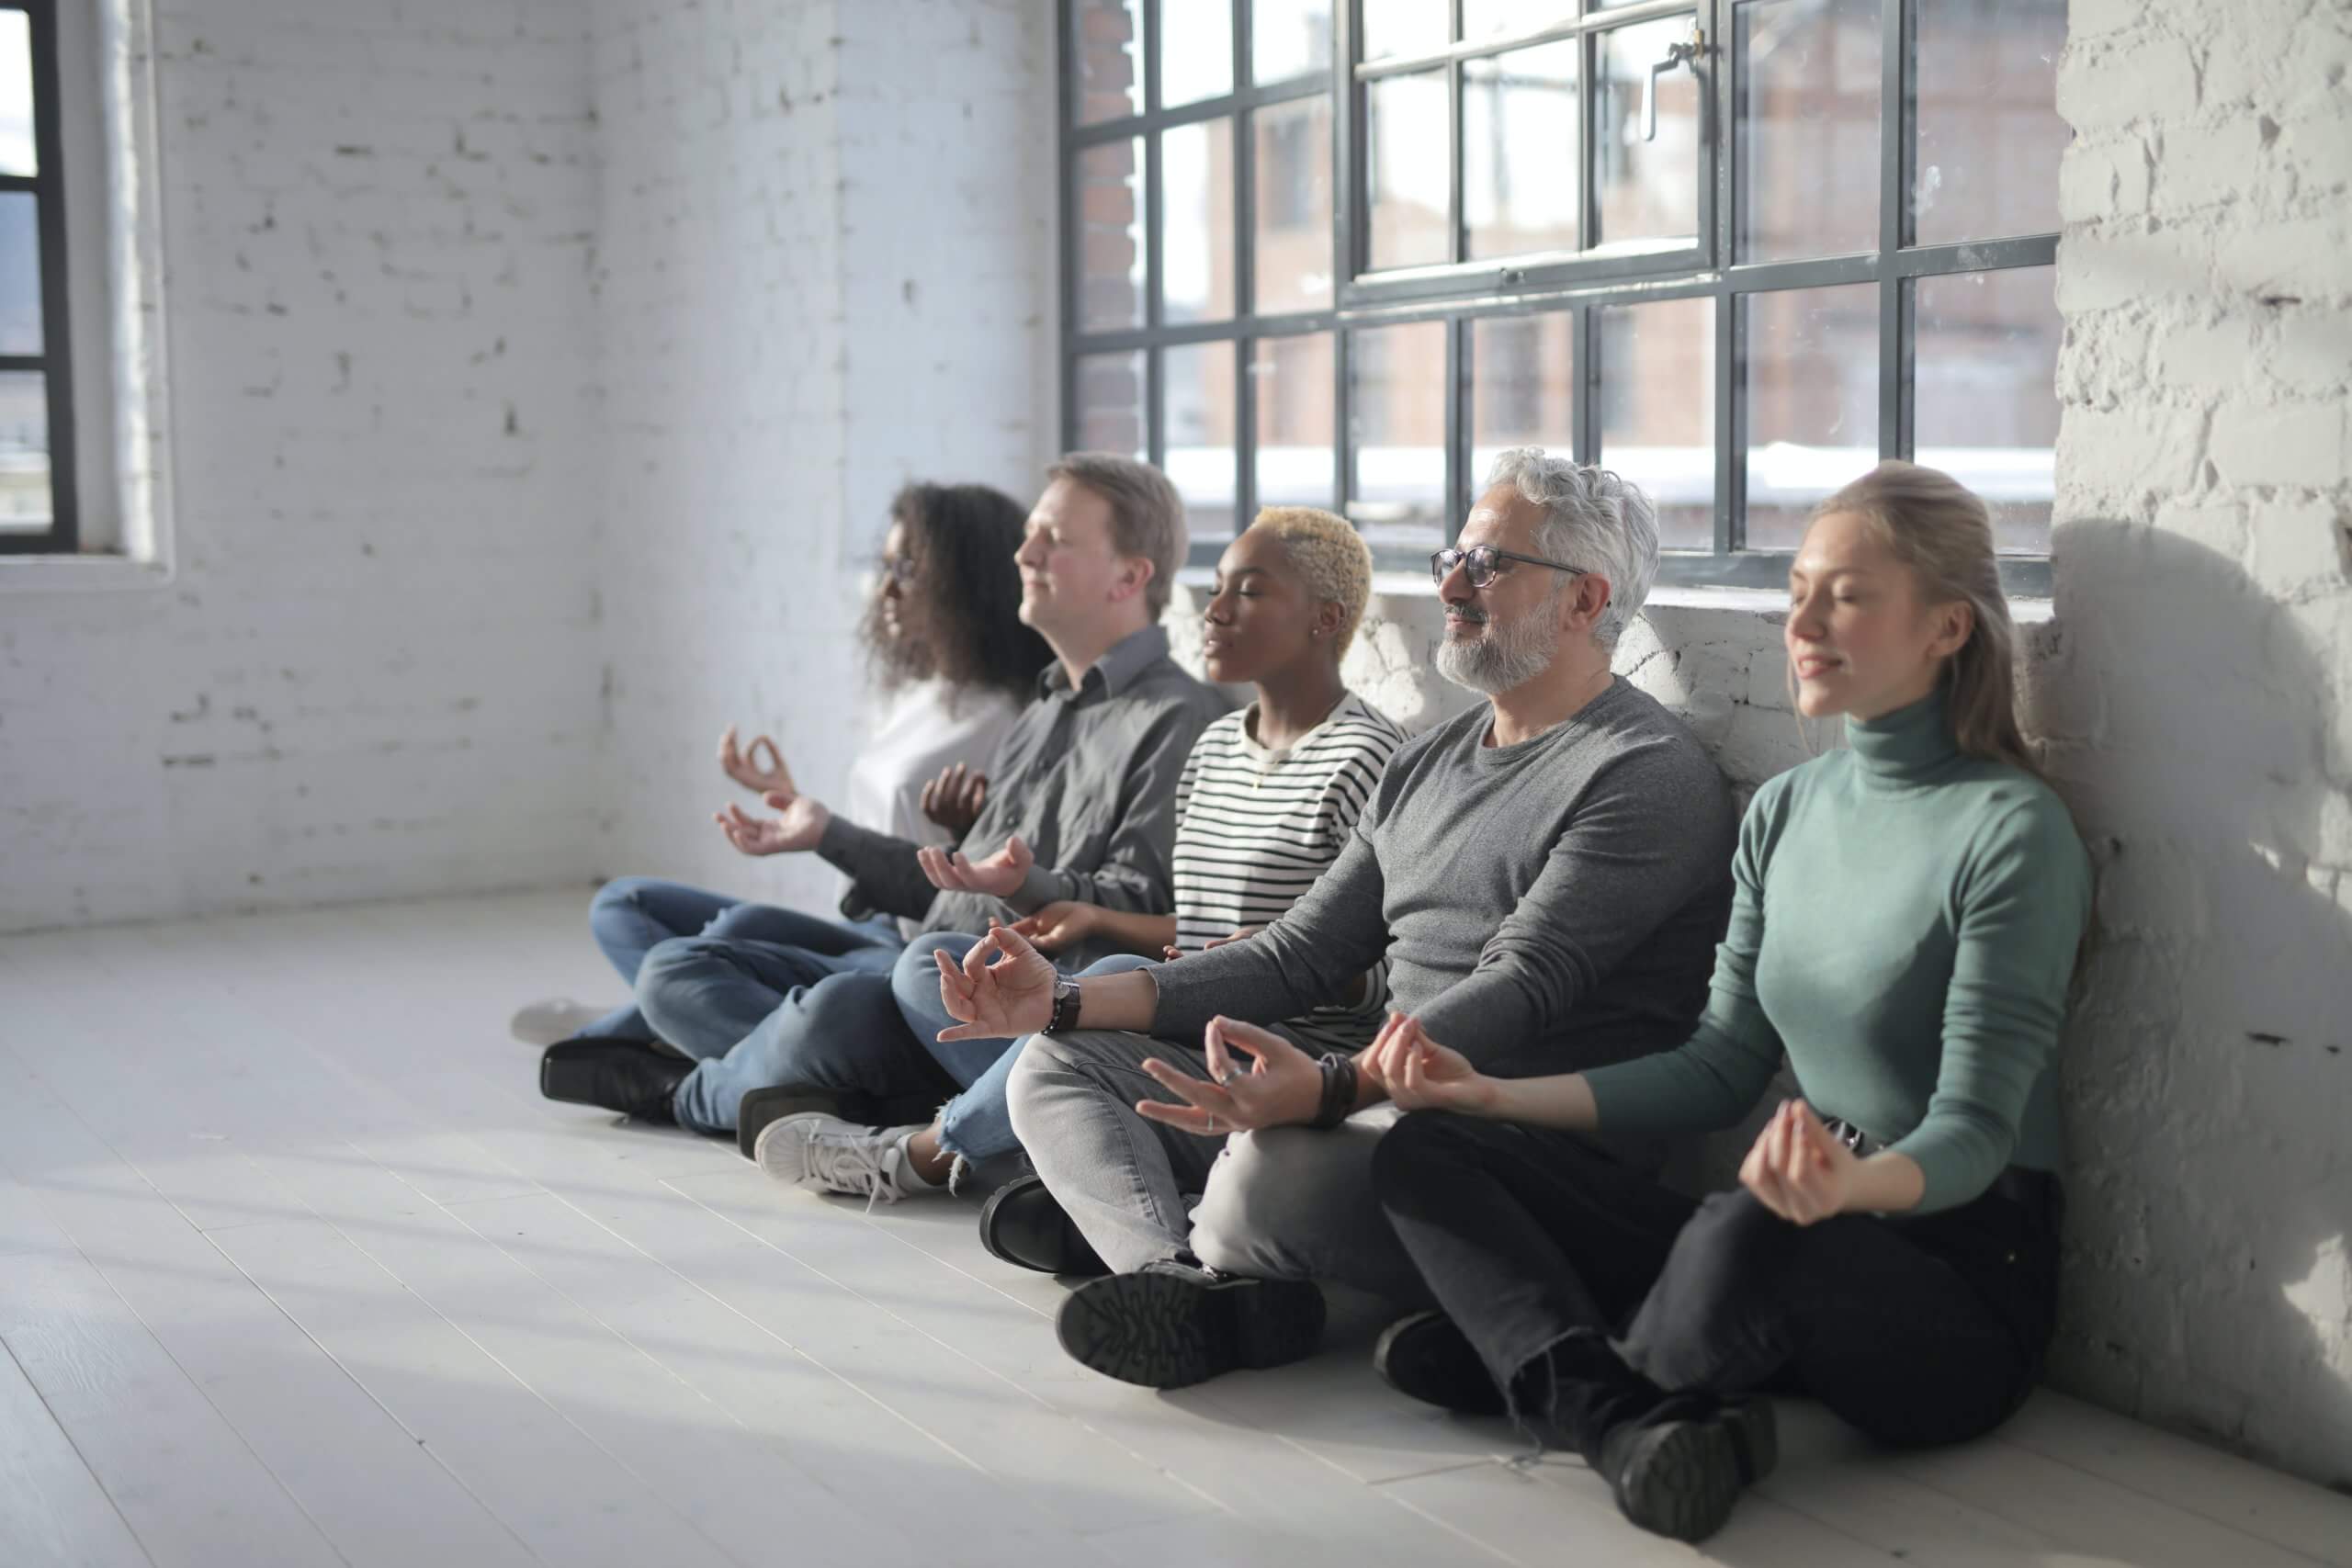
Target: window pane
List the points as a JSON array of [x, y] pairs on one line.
[[1196, 247], [1658, 411], [1109, 241], [1984, 359], [1519, 151], [1649, 189], [24, 451], [1397, 434], [1196, 51], [1812, 358], [1110, 404], [1110, 58], [1808, 139], [1200, 454], [1523, 371], [1296, 434], [1404, 26], [1483, 19], [20, 328], [16, 153], [1987, 89], [1294, 262], [1289, 38], [1406, 153]]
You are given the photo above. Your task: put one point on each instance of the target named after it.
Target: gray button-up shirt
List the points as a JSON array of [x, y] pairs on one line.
[[1086, 777]]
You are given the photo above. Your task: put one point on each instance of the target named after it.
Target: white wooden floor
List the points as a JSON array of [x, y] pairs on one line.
[[296, 1267]]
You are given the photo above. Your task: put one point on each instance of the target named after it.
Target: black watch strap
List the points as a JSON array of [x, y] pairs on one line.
[[1066, 1004]]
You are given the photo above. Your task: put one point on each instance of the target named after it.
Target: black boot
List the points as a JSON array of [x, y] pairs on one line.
[[1427, 1357], [1678, 1470], [1171, 1323], [1024, 1224], [620, 1074]]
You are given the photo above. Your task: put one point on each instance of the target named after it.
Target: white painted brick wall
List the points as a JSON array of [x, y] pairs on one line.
[[826, 268], [366, 680], [2194, 689]]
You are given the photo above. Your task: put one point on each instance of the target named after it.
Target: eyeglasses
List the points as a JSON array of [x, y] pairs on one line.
[[1481, 563], [899, 569]]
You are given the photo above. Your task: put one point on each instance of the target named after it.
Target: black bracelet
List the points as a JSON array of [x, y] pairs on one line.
[[1338, 1090]]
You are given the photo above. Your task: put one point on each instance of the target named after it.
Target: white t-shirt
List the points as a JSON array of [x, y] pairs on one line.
[[928, 726], [1255, 828]]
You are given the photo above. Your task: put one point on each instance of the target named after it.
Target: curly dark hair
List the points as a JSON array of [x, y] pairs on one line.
[[962, 539]]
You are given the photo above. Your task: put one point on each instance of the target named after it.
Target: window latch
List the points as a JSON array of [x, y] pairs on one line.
[[1684, 54]]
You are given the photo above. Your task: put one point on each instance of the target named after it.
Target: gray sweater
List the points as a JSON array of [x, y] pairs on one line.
[[1544, 908], [1086, 777]]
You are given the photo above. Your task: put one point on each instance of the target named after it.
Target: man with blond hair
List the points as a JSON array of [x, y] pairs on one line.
[[1080, 804]]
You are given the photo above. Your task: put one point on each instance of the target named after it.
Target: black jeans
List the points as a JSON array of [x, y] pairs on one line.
[[1541, 1249]]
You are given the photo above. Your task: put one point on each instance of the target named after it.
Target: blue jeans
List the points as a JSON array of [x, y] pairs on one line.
[[977, 1123], [762, 1013], [630, 915]]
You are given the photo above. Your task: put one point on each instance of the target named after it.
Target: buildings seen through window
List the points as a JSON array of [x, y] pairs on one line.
[[1739, 292]]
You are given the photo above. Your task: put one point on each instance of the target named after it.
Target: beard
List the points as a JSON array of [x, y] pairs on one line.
[[1511, 654]]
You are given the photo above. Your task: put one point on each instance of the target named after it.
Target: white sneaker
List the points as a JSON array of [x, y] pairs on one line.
[[552, 1020], [830, 1155]]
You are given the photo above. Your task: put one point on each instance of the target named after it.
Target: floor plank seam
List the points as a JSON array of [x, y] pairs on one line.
[[422, 1441], [140, 1318], [1031, 1395], [66, 1433]]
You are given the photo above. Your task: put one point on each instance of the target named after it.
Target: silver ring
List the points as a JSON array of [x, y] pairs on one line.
[[1212, 1121], [1223, 1077]]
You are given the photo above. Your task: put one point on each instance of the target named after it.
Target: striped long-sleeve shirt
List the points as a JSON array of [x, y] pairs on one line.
[[1255, 828]]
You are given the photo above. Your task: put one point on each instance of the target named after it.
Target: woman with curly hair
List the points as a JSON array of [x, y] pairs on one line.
[[947, 650]]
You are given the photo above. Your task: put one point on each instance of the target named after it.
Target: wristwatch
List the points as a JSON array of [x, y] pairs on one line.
[[1065, 1014]]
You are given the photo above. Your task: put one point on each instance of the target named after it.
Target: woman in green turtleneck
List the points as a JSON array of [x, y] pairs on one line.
[[1905, 922]]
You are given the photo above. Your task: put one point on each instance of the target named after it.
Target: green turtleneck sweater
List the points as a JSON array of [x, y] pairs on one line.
[[1905, 923]]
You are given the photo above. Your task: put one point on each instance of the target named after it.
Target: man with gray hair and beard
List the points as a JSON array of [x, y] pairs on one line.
[[1546, 875]]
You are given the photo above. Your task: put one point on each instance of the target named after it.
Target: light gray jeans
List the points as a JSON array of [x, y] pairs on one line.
[[1284, 1203]]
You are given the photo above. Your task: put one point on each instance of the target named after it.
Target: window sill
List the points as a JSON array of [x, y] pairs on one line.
[[1666, 595], [79, 575]]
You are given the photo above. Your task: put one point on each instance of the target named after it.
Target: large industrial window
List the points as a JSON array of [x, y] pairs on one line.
[[1738, 250]]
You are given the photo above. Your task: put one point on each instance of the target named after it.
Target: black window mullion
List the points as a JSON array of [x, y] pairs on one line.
[[1457, 242], [1155, 406], [1066, 86], [1457, 425], [1894, 121], [1584, 383], [1155, 360], [62, 537], [1349, 194], [1731, 488], [1245, 275], [1731, 424], [1589, 141], [1351, 226]]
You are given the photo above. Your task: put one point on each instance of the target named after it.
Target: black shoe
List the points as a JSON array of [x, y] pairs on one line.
[[1174, 1324], [762, 1106], [1680, 1477], [1024, 1224], [1426, 1356], [620, 1074]]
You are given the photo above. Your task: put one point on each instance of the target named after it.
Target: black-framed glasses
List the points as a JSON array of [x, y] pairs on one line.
[[1481, 560]]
